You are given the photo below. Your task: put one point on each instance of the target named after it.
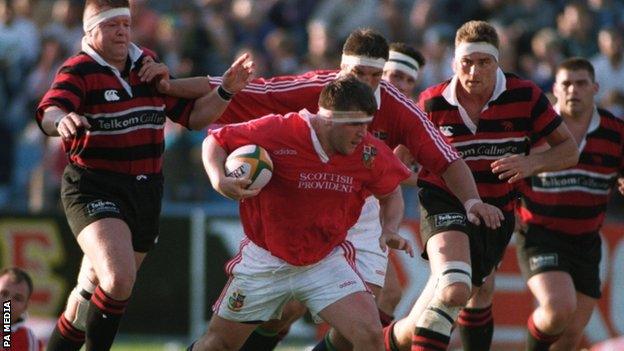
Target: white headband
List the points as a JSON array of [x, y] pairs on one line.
[[362, 61], [402, 63], [93, 21], [464, 49], [344, 116]]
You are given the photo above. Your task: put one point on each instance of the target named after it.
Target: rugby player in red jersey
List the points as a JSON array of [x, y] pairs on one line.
[[296, 227]]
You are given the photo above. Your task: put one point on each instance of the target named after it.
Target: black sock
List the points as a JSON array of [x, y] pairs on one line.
[[103, 319], [536, 339], [261, 340], [65, 336], [429, 340], [476, 326]]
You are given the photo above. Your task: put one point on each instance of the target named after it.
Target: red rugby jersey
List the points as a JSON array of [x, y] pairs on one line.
[[574, 201], [310, 202], [397, 121], [517, 111], [127, 117]]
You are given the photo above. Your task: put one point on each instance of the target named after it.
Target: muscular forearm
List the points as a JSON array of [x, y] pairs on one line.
[[188, 88], [459, 180], [392, 209], [557, 157], [207, 110], [213, 158], [50, 116]]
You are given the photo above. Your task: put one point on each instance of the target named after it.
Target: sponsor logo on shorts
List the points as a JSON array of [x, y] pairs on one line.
[[99, 206], [236, 301], [380, 272], [447, 219], [347, 283], [543, 261]]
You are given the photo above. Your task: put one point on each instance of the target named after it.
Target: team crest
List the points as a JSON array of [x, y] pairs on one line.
[[368, 155], [236, 301]]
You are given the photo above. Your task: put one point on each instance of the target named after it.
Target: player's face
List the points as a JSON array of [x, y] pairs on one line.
[[574, 91], [401, 80], [345, 137], [16, 292], [111, 39], [371, 76], [477, 73]]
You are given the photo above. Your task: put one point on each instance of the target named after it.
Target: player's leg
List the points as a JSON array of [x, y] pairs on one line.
[[108, 245], [389, 296], [223, 335], [266, 336], [571, 337], [475, 321], [68, 334], [556, 298], [398, 335], [356, 317]]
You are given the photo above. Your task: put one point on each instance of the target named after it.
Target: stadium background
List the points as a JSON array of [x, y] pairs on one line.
[[181, 278]]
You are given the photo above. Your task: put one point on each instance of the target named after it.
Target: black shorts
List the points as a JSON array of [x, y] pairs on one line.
[[90, 195], [540, 250], [442, 212]]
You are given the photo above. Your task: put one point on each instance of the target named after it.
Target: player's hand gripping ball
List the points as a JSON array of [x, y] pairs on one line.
[[250, 162]]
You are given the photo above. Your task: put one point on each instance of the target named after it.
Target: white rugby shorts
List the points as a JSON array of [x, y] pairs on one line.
[[370, 261], [260, 284]]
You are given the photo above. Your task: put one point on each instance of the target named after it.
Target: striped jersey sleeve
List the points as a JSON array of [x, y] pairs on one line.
[[574, 201], [278, 95]]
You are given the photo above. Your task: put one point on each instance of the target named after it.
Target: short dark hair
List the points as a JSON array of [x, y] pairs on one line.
[[18, 275], [577, 64], [476, 31], [409, 51], [348, 94], [366, 42]]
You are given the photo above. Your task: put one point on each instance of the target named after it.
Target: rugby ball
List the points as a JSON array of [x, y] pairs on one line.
[[250, 162]]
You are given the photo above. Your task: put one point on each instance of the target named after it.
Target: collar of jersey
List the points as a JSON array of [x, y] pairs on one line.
[[133, 51], [593, 125], [316, 143], [450, 94]]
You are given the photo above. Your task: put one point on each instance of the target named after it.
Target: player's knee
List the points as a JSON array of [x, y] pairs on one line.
[[366, 333], [391, 295], [559, 313], [454, 284], [216, 342], [118, 284]]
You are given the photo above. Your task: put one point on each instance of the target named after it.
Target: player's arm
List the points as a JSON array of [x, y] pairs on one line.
[[213, 158], [209, 107], [563, 153], [391, 213], [459, 180], [56, 122]]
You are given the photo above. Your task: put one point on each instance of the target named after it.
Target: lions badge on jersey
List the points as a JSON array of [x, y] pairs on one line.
[[368, 155], [236, 301]]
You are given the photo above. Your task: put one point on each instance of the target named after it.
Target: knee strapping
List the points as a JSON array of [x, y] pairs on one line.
[[438, 317], [454, 272]]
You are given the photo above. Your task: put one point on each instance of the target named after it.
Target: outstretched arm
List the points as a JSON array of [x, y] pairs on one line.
[[459, 180], [209, 107]]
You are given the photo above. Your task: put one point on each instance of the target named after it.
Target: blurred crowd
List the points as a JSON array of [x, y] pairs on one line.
[[199, 37]]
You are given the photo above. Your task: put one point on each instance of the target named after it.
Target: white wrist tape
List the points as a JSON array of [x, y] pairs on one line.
[[471, 202], [93, 21]]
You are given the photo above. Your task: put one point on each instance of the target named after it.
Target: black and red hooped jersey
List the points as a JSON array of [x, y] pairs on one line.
[[397, 121], [574, 201], [127, 117], [517, 111]]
